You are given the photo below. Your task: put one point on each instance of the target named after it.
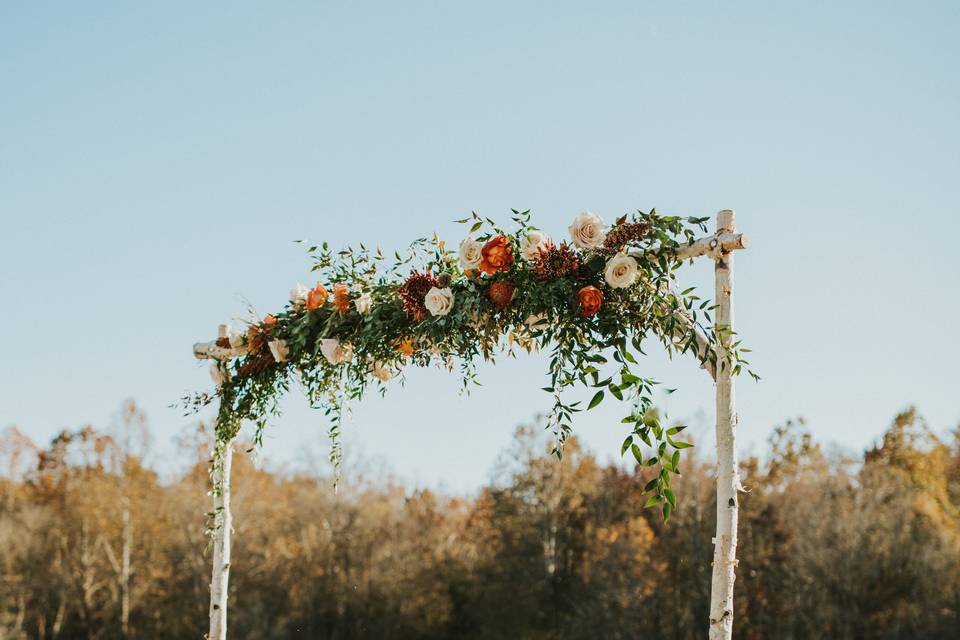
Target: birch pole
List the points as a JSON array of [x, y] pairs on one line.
[[222, 516], [728, 478], [223, 523]]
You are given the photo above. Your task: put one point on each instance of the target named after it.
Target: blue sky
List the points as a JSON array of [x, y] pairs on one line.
[[156, 163]]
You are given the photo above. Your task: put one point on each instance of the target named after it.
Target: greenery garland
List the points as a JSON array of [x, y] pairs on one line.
[[591, 300]]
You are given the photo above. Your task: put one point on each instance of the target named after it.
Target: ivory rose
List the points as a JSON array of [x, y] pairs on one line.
[[363, 304], [279, 350], [621, 271], [298, 295], [470, 254], [439, 302], [335, 352], [496, 255], [533, 243], [317, 297], [588, 231], [590, 299]]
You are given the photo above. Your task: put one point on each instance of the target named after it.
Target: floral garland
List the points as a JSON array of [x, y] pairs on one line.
[[589, 299]]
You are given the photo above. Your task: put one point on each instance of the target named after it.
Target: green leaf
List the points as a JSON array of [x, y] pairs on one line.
[[597, 399], [637, 453], [626, 445], [652, 500]]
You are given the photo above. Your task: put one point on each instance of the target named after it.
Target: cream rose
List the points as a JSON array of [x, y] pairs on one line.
[[588, 231], [334, 352], [363, 304], [439, 302], [279, 350], [532, 243], [470, 255], [298, 295], [621, 271]]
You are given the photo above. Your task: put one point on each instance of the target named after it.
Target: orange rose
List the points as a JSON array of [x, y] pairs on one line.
[[495, 256], [590, 299], [404, 346], [317, 297], [341, 297], [269, 320]]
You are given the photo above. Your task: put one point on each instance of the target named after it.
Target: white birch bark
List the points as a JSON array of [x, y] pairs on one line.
[[728, 479], [723, 241], [222, 516], [223, 523]]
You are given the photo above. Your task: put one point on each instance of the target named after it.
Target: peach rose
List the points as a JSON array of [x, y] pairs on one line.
[[341, 297], [317, 297], [496, 255], [590, 299]]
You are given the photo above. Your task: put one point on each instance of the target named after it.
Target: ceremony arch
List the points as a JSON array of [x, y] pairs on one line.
[[603, 291]]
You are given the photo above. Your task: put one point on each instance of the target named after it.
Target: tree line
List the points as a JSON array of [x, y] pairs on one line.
[[95, 544]]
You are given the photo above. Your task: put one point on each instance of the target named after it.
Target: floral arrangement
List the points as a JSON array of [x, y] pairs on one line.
[[591, 299]]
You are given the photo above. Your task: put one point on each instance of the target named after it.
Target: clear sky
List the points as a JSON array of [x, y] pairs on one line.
[[157, 161]]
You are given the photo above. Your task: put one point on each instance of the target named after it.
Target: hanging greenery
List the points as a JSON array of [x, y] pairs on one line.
[[591, 301]]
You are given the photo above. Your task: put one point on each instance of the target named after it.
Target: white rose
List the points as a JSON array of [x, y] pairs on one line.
[[470, 256], [298, 295], [363, 304], [219, 375], [439, 302], [532, 243], [279, 350], [588, 231], [334, 352], [621, 271]]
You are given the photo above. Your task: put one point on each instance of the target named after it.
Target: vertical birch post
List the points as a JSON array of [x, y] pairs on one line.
[[220, 351], [223, 520], [728, 478]]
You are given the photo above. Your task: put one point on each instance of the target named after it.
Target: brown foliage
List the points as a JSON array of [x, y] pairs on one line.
[[831, 547]]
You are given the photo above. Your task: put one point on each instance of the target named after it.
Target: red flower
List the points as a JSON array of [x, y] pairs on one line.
[[501, 293], [590, 299], [495, 256]]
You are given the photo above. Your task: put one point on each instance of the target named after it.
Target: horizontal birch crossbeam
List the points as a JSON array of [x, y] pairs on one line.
[[212, 351], [713, 246], [220, 349]]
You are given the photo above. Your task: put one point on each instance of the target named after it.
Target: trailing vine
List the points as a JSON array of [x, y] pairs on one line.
[[591, 301]]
